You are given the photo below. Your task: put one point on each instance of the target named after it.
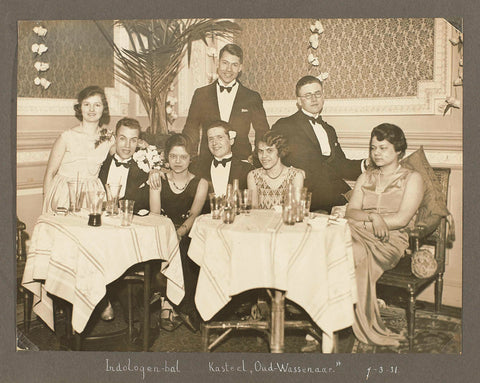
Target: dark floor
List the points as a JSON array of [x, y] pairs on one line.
[[446, 340]]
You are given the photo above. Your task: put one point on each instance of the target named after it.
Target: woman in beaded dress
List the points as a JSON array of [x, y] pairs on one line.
[[80, 151], [383, 205], [181, 198], [269, 183]]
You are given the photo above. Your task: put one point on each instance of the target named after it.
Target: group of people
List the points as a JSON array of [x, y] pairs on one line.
[[214, 149]]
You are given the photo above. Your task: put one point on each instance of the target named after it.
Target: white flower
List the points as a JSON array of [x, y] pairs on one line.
[[168, 109], [37, 81], [40, 31], [172, 88], [232, 134], [322, 76], [171, 100], [45, 83], [314, 41], [174, 115], [317, 27], [211, 52], [41, 66], [39, 48], [313, 60]]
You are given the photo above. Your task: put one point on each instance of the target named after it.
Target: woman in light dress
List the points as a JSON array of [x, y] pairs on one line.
[[383, 205], [269, 183], [80, 151]]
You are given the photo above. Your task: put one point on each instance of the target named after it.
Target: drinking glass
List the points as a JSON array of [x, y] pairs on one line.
[[126, 211], [246, 201], [228, 214], [76, 195], [113, 190], [216, 205], [95, 200], [288, 214]]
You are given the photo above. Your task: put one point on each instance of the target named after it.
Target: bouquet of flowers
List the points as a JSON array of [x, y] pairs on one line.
[[148, 158]]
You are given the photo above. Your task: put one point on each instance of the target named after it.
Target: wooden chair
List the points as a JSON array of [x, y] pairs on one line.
[[402, 277], [21, 259]]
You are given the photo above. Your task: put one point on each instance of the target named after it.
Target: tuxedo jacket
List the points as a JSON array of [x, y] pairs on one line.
[[324, 175], [136, 188], [247, 109]]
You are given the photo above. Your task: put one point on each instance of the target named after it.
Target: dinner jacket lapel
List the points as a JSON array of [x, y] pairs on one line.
[[304, 123], [103, 174], [212, 95]]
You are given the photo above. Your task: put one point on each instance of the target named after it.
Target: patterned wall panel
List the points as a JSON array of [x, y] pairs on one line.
[[365, 58], [78, 55]]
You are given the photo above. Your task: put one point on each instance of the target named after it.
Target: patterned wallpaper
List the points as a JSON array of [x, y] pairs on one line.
[[365, 58], [78, 55]]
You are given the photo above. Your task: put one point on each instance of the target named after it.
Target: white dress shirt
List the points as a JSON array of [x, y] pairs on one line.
[[225, 99], [220, 175], [321, 134], [118, 174]]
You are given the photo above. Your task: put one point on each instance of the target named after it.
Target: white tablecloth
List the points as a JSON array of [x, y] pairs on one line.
[[75, 261], [313, 263]]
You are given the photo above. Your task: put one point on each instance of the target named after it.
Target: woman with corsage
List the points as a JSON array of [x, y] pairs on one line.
[[80, 151], [382, 207], [269, 183], [181, 198]]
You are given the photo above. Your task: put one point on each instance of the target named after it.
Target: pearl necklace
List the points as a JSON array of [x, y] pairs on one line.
[[179, 188], [274, 178]]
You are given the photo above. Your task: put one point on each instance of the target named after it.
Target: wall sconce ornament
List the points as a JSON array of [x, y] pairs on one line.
[[39, 48], [316, 28], [453, 102]]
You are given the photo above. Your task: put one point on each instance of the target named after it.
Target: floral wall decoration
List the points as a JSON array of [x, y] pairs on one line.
[[39, 49], [453, 101], [317, 29]]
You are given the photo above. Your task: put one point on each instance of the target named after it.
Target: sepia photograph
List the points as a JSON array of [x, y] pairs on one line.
[[225, 189]]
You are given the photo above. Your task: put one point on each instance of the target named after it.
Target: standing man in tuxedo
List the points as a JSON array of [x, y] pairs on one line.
[[314, 147], [224, 167], [228, 100], [120, 168]]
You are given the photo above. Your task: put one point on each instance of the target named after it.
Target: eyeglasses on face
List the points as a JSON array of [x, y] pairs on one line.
[[309, 96]]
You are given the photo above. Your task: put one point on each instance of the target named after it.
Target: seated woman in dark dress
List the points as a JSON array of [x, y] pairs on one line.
[[181, 198]]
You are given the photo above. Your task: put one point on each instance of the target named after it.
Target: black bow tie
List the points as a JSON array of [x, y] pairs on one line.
[[125, 164], [227, 88], [317, 120], [221, 162]]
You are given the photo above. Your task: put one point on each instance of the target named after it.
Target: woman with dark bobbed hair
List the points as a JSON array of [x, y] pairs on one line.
[[384, 201], [80, 151], [269, 183]]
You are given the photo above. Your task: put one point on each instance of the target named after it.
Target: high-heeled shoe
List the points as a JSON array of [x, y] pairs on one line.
[[108, 314]]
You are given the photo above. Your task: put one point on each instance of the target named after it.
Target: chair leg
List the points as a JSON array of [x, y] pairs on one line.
[[130, 312], [411, 319], [27, 310], [146, 307], [205, 334], [438, 292]]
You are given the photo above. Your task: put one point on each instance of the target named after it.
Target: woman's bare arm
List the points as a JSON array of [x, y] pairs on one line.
[[54, 162]]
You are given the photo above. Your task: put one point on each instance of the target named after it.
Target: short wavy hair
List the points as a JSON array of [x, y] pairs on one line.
[[305, 80], [234, 50], [129, 123], [90, 91], [272, 138], [178, 139], [219, 124], [391, 133]]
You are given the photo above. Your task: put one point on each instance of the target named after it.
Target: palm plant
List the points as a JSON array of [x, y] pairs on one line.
[[157, 48]]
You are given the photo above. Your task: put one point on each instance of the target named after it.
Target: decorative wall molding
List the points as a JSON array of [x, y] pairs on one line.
[[118, 97], [36, 140], [32, 158]]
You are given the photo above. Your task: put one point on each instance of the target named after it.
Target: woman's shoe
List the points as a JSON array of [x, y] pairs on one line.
[[189, 322], [169, 323], [108, 314]]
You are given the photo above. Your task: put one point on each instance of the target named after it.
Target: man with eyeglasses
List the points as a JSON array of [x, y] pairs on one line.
[[228, 100], [314, 147]]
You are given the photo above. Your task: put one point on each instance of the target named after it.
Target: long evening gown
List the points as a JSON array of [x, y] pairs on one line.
[[373, 257], [81, 161], [267, 196], [177, 208]]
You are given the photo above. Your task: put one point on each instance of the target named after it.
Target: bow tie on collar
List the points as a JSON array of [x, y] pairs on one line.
[[227, 88], [221, 162], [317, 120], [125, 164]]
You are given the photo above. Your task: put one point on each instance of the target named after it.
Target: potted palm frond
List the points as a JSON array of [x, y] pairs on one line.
[[153, 60]]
